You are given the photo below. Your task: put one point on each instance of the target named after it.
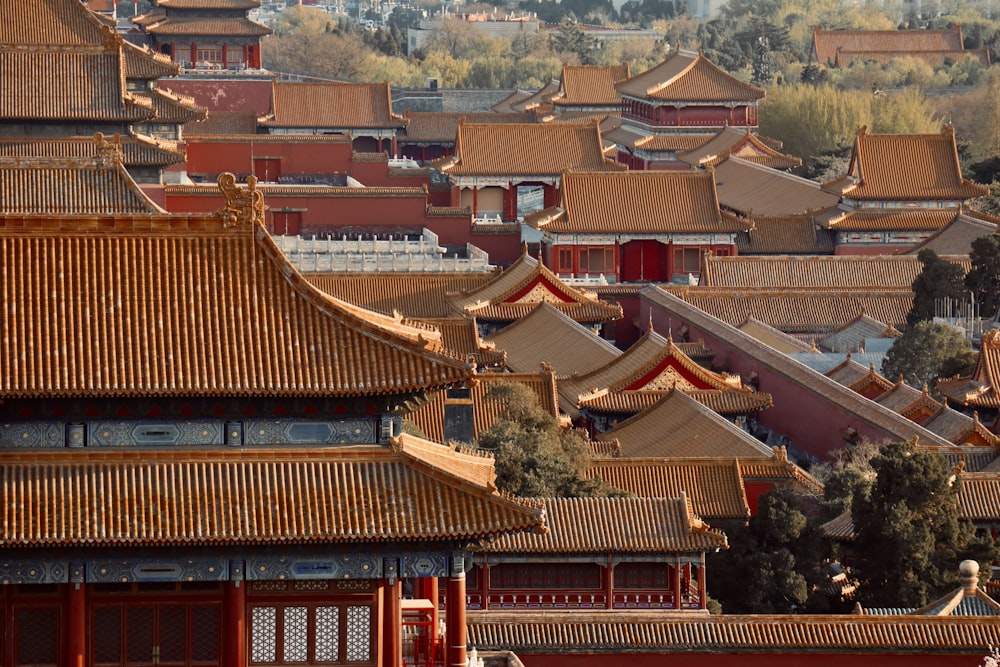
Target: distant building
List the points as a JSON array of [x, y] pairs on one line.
[[840, 48], [488, 25]]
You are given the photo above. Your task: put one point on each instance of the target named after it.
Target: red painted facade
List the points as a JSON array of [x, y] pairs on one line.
[[689, 115]]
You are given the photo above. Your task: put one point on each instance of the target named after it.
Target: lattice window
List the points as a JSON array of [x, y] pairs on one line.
[[327, 634], [139, 634], [36, 636], [546, 576], [312, 585], [295, 634], [205, 638], [173, 634], [108, 635], [268, 586], [655, 576], [359, 634], [263, 634]]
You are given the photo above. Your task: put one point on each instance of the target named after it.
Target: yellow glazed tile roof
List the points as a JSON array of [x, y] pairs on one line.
[[125, 497], [523, 149], [741, 143], [49, 22], [828, 44], [547, 335], [165, 26], [637, 202], [331, 104], [981, 388], [714, 486], [679, 426], [154, 305], [614, 525], [590, 85], [687, 76], [906, 167], [400, 292]]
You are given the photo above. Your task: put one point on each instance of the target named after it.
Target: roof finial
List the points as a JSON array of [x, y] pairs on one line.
[[109, 152], [650, 327], [244, 206]]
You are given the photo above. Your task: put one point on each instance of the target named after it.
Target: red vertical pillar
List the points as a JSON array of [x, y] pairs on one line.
[[475, 201], [392, 629], [235, 624], [677, 582], [702, 589], [76, 623], [484, 581], [225, 56], [194, 54], [609, 584], [456, 633]]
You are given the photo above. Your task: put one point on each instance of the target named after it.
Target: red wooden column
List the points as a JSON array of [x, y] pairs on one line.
[[702, 589], [194, 54], [456, 632], [235, 624], [609, 584], [484, 581], [76, 623], [392, 628], [677, 582]]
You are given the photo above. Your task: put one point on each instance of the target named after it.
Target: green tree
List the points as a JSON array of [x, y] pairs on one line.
[[983, 278], [773, 562], [535, 456], [908, 535], [929, 350], [937, 281], [572, 39]]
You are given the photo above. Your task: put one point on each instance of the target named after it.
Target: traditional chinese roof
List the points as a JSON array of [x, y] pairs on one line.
[[687, 76], [539, 101], [441, 127], [714, 486], [808, 381], [208, 4], [387, 293], [772, 337], [956, 237], [515, 292], [430, 418], [415, 490], [784, 235], [460, 335], [795, 310], [550, 336], [968, 600], [624, 135], [851, 337], [522, 149], [331, 104], [508, 104], [551, 631], [630, 402], [967, 458], [137, 316], [842, 47], [639, 202], [960, 428], [791, 271], [80, 85], [757, 190], [137, 150], [45, 22], [741, 143], [900, 220], [908, 401], [680, 426], [590, 85], [981, 388], [143, 64], [612, 525], [905, 167], [866, 381], [81, 186], [162, 25], [220, 124], [171, 108]]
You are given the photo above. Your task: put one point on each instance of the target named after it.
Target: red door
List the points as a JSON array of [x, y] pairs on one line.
[[642, 261]]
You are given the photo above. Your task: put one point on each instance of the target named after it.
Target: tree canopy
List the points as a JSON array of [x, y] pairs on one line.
[[938, 282], [983, 278], [927, 351], [535, 456], [773, 562], [908, 535]]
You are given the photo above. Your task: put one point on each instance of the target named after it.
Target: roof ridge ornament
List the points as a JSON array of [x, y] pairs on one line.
[[109, 152], [244, 205]]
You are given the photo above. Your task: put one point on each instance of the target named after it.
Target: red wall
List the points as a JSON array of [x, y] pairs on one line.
[[804, 414], [215, 157]]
